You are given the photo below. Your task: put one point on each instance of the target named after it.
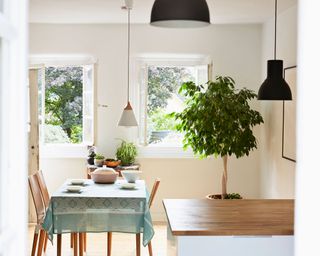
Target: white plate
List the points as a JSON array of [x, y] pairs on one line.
[[77, 182], [74, 189], [128, 186]]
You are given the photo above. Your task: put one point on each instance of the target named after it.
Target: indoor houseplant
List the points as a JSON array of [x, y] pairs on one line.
[[218, 121], [127, 153], [99, 160]]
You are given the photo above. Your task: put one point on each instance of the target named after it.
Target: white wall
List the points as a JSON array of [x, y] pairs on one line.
[[235, 50], [278, 174]]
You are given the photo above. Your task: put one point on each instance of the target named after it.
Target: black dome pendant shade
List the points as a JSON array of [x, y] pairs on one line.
[[180, 13], [275, 87]]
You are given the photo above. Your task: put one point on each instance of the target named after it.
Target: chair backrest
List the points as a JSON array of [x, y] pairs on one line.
[[154, 191], [43, 188], [36, 195]]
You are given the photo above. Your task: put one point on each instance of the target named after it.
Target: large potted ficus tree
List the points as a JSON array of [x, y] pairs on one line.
[[218, 121]]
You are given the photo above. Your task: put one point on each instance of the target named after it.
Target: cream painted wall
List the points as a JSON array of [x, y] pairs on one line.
[[278, 174], [235, 51]]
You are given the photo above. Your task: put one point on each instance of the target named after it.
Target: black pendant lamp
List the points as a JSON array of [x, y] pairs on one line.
[[180, 13], [275, 87]]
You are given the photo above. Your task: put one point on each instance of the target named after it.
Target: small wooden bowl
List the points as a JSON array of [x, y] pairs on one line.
[[112, 164]]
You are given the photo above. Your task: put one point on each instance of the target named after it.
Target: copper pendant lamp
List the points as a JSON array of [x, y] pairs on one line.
[[128, 118]]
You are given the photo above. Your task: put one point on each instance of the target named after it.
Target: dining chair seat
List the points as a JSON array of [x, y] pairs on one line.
[[138, 236]]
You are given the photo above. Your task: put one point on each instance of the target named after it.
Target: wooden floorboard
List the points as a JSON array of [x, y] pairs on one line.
[[122, 244]]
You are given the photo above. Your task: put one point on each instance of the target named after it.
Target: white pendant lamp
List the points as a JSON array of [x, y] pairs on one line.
[[128, 118]]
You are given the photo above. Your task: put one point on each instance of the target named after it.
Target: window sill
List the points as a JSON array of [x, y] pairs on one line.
[[63, 151], [164, 152]]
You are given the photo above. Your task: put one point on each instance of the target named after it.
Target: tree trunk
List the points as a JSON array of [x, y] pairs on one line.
[[68, 131], [224, 176]]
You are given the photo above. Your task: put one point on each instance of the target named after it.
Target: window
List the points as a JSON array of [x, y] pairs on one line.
[[160, 81], [66, 105]]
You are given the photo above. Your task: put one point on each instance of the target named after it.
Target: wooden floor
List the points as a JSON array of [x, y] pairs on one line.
[[122, 244]]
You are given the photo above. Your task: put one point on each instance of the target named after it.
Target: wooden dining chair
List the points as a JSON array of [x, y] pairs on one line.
[[39, 233], [46, 200], [138, 236]]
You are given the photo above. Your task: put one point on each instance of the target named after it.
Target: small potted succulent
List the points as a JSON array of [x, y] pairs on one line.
[[127, 153], [99, 160]]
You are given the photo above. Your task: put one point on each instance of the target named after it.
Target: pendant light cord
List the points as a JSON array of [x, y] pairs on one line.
[[275, 28], [128, 53]]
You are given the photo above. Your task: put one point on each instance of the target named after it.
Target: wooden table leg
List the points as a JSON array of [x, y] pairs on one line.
[[71, 239], [80, 244], [59, 244], [75, 244], [85, 242], [109, 237], [138, 244], [41, 242]]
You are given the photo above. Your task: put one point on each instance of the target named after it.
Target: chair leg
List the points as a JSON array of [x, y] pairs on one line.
[[138, 244], [85, 242], [41, 242], [59, 244], [150, 248], [45, 242], [34, 243], [75, 244], [80, 244], [109, 243], [71, 240]]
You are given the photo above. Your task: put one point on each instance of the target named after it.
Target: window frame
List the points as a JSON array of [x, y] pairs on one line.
[[68, 150], [140, 71], [14, 126]]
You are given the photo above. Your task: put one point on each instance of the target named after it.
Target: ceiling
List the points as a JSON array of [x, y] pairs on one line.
[[109, 11]]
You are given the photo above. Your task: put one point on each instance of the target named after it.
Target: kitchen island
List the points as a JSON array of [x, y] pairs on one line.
[[230, 227]]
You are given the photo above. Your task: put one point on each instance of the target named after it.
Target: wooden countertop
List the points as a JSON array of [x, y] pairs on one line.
[[197, 217]]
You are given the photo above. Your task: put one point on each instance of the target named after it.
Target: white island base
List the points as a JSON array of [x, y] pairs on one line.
[[229, 245]]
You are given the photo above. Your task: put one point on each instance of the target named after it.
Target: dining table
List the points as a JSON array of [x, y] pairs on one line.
[[99, 208]]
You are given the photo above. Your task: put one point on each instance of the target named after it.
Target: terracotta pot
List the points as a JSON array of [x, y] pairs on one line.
[[112, 164]]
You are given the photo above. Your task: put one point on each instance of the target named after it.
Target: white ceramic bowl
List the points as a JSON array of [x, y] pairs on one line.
[[131, 176], [74, 189], [77, 181]]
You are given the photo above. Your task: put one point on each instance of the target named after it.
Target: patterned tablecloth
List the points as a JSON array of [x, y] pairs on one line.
[[100, 208]]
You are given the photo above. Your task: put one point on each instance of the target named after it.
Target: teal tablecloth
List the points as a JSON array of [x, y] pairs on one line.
[[100, 208]]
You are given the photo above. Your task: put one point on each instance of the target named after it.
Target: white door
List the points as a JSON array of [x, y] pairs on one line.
[[13, 127], [33, 140]]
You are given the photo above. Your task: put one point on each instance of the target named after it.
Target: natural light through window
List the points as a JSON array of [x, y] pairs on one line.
[[66, 105], [163, 98]]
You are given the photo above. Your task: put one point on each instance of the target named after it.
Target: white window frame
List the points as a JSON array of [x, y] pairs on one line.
[[140, 73], [13, 128], [67, 150]]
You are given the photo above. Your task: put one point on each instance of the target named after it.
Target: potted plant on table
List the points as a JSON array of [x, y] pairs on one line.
[[218, 121], [127, 153], [99, 160]]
